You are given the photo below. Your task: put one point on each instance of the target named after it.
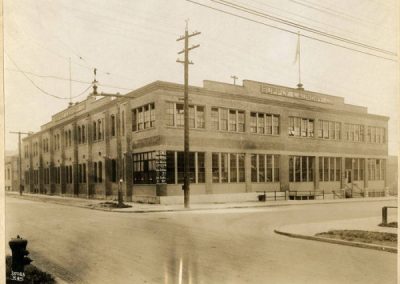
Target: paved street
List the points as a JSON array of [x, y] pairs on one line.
[[214, 246]]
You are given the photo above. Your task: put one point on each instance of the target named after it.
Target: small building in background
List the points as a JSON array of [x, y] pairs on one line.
[[11, 173]]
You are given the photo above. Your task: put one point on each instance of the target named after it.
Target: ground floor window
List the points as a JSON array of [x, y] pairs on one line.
[[301, 169], [329, 169], [98, 172], [27, 180], [358, 168], [175, 167], [144, 168], [46, 176], [82, 173], [376, 169], [264, 168], [68, 174], [228, 167]]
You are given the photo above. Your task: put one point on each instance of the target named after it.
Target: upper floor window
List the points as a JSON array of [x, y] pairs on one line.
[[302, 127], [123, 123], [227, 119], [176, 115], [45, 145], [264, 123], [143, 117], [81, 132], [113, 125], [354, 132], [98, 129], [329, 129], [376, 135]]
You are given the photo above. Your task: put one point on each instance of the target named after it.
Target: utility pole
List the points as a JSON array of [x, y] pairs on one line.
[[234, 77], [186, 62], [19, 159]]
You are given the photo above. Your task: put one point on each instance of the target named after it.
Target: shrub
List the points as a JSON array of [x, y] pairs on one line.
[[33, 275]]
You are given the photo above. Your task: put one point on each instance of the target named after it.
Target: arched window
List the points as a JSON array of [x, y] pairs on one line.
[[79, 135], [123, 123], [112, 125], [94, 131], [99, 128], [69, 138], [83, 134]]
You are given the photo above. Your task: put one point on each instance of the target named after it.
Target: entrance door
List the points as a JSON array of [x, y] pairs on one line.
[[348, 177]]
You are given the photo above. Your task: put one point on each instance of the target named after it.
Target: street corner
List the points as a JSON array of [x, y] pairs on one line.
[[365, 235]]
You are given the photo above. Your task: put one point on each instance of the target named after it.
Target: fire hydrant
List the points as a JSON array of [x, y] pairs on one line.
[[19, 258]]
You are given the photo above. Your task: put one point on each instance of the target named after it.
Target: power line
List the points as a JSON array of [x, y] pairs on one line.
[[303, 17], [66, 79], [303, 27], [289, 31], [44, 91], [330, 11]]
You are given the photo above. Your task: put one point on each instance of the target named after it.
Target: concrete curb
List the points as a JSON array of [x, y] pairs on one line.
[[42, 198], [339, 242]]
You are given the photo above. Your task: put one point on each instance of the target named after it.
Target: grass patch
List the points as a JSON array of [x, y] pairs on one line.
[[33, 275], [377, 238], [110, 204], [391, 225]]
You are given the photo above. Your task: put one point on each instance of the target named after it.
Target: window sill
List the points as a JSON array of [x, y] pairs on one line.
[[144, 130]]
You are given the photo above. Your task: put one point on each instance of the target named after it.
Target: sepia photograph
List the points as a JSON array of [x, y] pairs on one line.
[[200, 141]]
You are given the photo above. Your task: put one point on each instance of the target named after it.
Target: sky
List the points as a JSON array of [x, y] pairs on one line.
[[133, 43]]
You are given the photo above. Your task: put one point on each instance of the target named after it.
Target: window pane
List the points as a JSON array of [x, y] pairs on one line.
[[326, 169], [304, 169], [232, 120], [224, 119], [276, 125], [200, 117], [276, 168], [241, 121], [268, 123], [170, 167], [215, 167], [179, 115], [253, 122], [332, 169], [241, 168], [261, 123], [170, 114], [181, 169], [269, 168], [233, 167], [224, 167], [214, 119], [261, 168], [191, 117], [254, 168], [297, 168], [201, 175], [291, 168]]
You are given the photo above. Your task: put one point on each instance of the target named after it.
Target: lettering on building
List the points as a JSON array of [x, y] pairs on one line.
[[266, 89]]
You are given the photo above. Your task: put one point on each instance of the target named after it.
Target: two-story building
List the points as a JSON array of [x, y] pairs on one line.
[[243, 138]]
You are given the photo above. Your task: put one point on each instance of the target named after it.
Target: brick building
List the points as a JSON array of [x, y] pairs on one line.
[[11, 173], [243, 139]]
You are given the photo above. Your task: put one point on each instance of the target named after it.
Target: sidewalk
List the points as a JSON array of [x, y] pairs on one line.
[[308, 231], [151, 208]]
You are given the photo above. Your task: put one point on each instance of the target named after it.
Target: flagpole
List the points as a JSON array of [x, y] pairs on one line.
[[299, 85]]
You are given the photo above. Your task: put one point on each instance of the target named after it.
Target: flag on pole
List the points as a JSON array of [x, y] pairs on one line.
[[297, 56]]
